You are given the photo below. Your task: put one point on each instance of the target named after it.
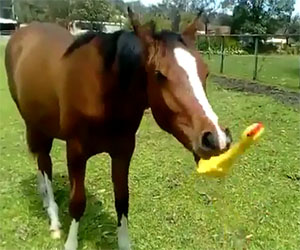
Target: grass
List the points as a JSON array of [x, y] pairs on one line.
[[279, 70], [171, 207]]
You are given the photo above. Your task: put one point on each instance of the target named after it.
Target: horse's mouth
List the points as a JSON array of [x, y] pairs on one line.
[[196, 158]]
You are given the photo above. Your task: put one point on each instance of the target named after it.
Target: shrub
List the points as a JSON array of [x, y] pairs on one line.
[[212, 45]]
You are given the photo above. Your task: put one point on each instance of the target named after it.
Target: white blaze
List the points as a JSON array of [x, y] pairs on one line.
[[188, 63]]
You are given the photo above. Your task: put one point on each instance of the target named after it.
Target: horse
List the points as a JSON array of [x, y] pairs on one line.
[[92, 91]]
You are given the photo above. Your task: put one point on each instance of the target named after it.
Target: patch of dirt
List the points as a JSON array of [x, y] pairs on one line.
[[290, 98]]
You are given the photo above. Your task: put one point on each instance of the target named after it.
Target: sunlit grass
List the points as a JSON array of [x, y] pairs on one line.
[[278, 70]]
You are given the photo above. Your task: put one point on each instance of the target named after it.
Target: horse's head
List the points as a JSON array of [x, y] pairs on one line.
[[176, 89]]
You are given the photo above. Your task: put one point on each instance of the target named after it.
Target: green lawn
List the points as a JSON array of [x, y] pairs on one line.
[[276, 70], [171, 207]]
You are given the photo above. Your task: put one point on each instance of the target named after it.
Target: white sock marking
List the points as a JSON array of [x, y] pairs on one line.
[[72, 241], [123, 235], [42, 189], [188, 63], [45, 189]]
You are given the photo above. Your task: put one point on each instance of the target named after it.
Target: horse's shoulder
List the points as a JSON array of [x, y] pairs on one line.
[[95, 65], [81, 87]]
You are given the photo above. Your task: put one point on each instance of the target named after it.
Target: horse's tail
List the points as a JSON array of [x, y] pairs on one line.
[[10, 71]]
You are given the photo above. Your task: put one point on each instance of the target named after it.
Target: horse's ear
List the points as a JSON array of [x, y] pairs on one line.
[[190, 31], [144, 32]]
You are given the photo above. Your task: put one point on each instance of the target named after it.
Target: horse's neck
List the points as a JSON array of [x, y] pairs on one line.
[[134, 92]]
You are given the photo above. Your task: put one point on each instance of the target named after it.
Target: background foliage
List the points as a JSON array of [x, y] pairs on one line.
[[248, 16]]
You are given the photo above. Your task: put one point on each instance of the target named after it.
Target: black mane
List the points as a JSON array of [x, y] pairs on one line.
[[79, 41], [169, 37], [121, 46], [129, 56], [125, 48]]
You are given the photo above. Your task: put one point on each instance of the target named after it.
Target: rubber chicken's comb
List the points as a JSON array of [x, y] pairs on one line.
[[255, 130]]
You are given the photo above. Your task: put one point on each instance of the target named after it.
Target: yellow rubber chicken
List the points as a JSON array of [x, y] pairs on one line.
[[218, 166]]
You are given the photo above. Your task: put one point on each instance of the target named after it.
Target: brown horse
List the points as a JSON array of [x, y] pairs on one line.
[[92, 91]]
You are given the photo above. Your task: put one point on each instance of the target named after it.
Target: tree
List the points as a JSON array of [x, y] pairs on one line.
[[208, 5], [259, 16], [137, 6], [249, 17], [223, 19], [91, 10], [189, 5], [30, 10], [294, 27], [176, 9], [228, 4], [63, 11], [58, 10], [180, 5], [281, 13], [37, 10]]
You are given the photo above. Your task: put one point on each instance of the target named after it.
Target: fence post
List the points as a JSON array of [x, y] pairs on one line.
[[208, 43], [255, 58], [222, 54], [198, 43]]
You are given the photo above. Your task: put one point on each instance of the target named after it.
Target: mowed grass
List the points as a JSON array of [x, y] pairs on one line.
[[278, 70], [171, 207]]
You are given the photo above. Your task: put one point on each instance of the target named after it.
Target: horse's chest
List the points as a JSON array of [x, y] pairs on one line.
[[113, 134], [119, 119], [119, 122], [125, 113], [124, 120]]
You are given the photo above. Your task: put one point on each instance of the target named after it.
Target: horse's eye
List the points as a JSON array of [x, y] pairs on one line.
[[159, 76]]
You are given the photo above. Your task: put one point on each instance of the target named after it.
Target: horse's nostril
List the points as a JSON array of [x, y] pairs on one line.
[[208, 141]]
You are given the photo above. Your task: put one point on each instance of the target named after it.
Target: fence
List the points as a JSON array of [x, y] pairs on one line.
[[276, 51]]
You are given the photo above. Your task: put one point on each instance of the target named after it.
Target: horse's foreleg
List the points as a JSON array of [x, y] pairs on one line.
[[120, 166], [120, 182], [76, 167]]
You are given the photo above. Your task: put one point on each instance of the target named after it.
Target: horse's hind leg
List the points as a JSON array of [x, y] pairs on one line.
[[40, 145]]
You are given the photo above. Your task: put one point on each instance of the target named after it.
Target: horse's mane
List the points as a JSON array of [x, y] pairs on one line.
[[121, 46], [80, 41], [169, 37]]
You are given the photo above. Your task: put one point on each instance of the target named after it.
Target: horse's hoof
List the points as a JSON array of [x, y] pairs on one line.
[[55, 234], [124, 244], [125, 247], [71, 245]]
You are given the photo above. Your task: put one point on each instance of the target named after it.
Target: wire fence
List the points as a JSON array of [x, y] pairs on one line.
[[274, 59]]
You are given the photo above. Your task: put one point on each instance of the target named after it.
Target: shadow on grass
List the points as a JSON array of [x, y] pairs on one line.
[[97, 227], [290, 98], [294, 72]]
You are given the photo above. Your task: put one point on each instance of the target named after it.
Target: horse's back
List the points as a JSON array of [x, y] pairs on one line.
[[33, 58]]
